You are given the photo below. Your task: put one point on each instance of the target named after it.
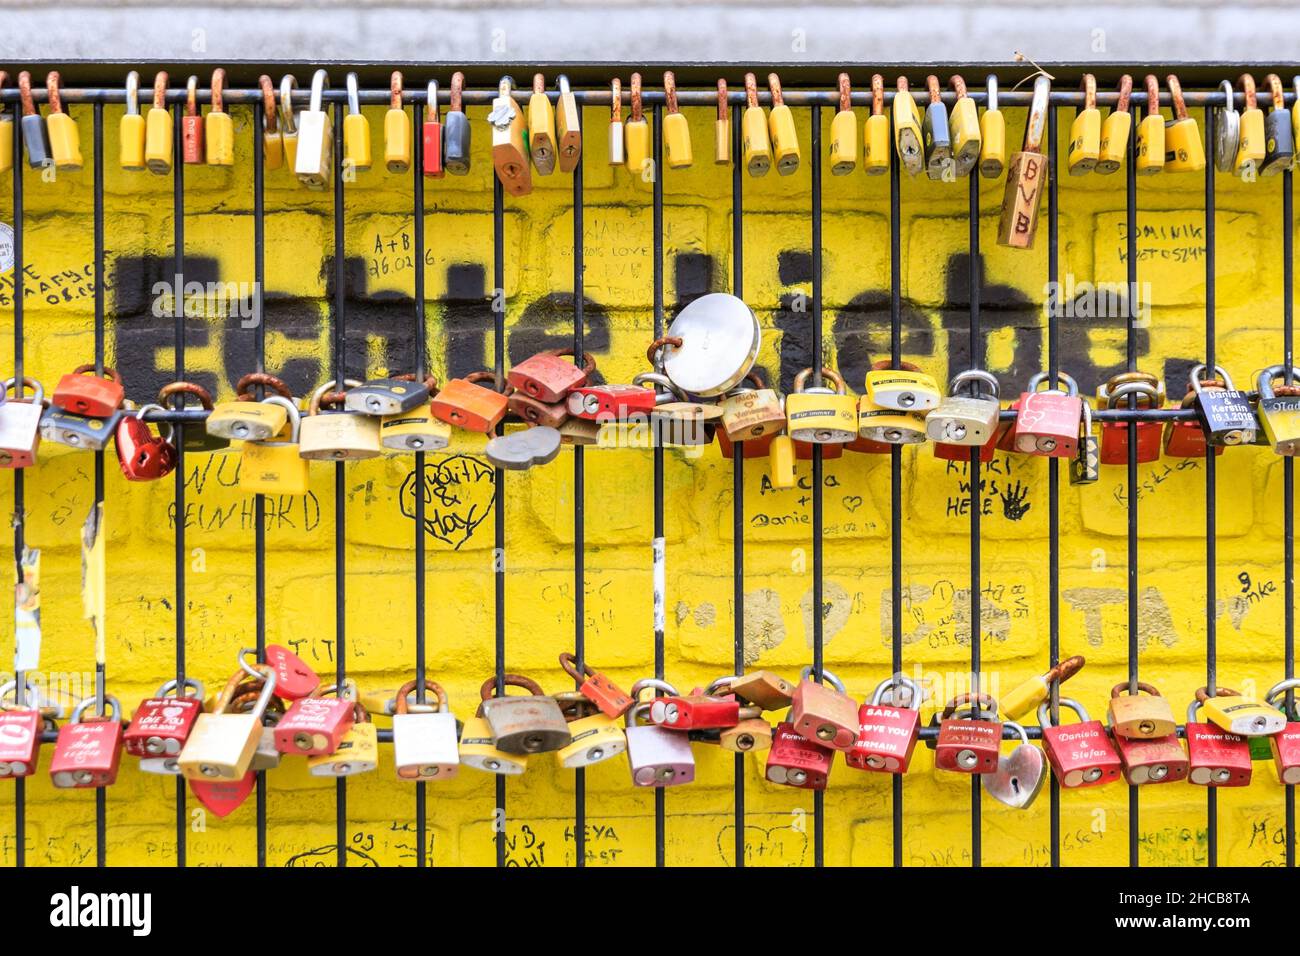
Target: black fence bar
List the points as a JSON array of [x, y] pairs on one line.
[[1211, 542], [895, 350], [421, 370], [579, 506], [20, 487], [738, 468], [101, 793], [976, 348], [818, 511], [1288, 483], [178, 476], [660, 547], [1053, 464], [1130, 344], [499, 485], [259, 500], [339, 359]]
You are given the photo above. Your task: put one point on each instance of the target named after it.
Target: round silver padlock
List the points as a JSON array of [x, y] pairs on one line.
[[720, 341]]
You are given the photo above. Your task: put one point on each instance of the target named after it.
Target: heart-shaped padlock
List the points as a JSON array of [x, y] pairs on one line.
[[1020, 775], [224, 797]]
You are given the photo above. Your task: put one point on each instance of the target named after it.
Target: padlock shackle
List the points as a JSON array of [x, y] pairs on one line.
[[877, 95], [1125, 89], [314, 404], [1071, 386], [652, 682], [270, 114], [52, 92], [1176, 95], [887, 686], [243, 390], [662, 381], [751, 91], [12, 686], [401, 704], [630, 717], [347, 690], [25, 94], [588, 360], [395, 90], [1264, 381], [1019, 729], [1273, 697], [454, 96], [1203, 693], [615, 101], [569, 663], [958, 85], [294, 418], [188, 684], [1089, 86], [186, 388], [1122, 688], [488, 690], [827, 677], [431, 114], [977, 703], [634, 93], [89, 367], [991, 90], [38, 391], [1140, 389], [1037, 114], [1247, 84], [1153, 94], [111, 706], [827, 373], [1044, 717], [724, 111], [320, 82], [933, 89], [975, 375], [846, 93], [475, 377], [574, 705], [670, 92], [288, 83], [774, 85], [354, 94], [133, 93]]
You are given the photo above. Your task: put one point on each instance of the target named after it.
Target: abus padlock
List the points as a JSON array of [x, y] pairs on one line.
[[218, 127], [431, 130], [130, 131], [1184, 149], [756, 142], [710, 346], [844, 132], [78, 431], [21, 727], [65, 140], [357, 752], [722, 128], [1251, 139], [397, 129], [425, 746], [616, 157], [657, 757], [196, 439], [596, 737], [337, 434], [605, 403], [314, 164], [1081, 753], [1047, 422], [192, 148], [966, 416], [780, 122], [386, 396], [963, 129], [356, 130], [1215, 757], [1114, 435], [937, 139], [162, 723], [275, 467], [1142, 713], [969, 744], [795, 761], [221, 744], [289, 121], [1020, 775], [548, 376], [455, 132], [1085, 131], [509, 148], [1026, 174], [1115, 131], [907, 130], [1278, 407], [36, 137], [1185, 438], [1285, 744], [83, 392], [142, 455], [1240, 714], [821, 414], [887, 732], [676, 131], [907, 388], [826, 715], [315, 725], [876, 138], [20, 424], [541, 128], [523, 725], [1225, 413], [416, 430], [568, 126], [597, 687], [466, 404], [478, 751], [1147, 760], [89, 749], [1151, 133], [993, 134], [247, 419], [272, 141]]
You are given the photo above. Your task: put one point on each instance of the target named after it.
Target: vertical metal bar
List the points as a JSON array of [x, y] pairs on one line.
[[421, 369], [579, 509], [895, 459], [259, 500], [20, 516], [1130, 298], [178, 476], [815, 166], [738, 473], [1053, 474], [1288, 479], [976, 349], [499, 484], [660, 556], [1211, 490], [339, 336], [101, 793]]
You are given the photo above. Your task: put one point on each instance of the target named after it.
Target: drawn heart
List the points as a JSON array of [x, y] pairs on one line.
[[524, 449], [224, 797], [172, 712], [458, 495], [852, 502], [1019, 777]]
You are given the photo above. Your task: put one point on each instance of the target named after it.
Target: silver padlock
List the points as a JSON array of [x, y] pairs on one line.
[[20, 424], [658, 757], [315, 162], [425, 746], [720, 339], [1020, 774], [964, 416]]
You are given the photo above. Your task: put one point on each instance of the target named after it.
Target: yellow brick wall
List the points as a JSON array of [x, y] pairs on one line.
[[539, 534]]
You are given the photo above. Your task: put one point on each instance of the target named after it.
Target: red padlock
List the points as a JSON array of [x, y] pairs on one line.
[[314, 725], [946, 452], [294, 679], [432, 133], [969, 744], [611, 402], [826, 715], [142, 455], [711, 710], [1215, 757], [1186, 438], [795, 761], [597, 688], [1148, 760], [1081, 753], [90, 395], [162, 723], [1047, 422], [759, 447], [549, 377], [887, 733], [1285, 744], [803, 450], [88, 752], [1114, 435], [193, 148], [530, 410], [20, 736], [464, 403]]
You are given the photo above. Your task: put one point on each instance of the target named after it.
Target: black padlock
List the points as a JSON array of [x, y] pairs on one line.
[[1279, 138], [36, 138], [455, 131], [386, 396], [1224, 411], [938, 141], [78, 431]]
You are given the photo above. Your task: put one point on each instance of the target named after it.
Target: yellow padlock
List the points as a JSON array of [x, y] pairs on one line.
[[65, 141], [158, 136], [722, 127], [1115, 131], [272, 142], [1184, 149], [356, 131], [1151, 133], [754, 136], [397, 129], [510, 141], [844, 132], [821, 414], [1295, 111], [677, 132], [993, 134], [288, 121], [1085, 131], [6, 131], [541, 128], [1250, 143], [637, 134], [875, 138], [218, 128], [131, 130], [785, 142], [780, 462], [907, 130], [964, 129], [568, 126]]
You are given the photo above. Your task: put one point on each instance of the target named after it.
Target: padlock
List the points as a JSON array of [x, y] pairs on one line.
[[131, 133], [275, 467], [707, 711], [597, 737], [1026, 174], [876, 145], [1239, 714], [1085, 466], [821, 414], [762, 689], [606, 403], [478, 751], [906, 389], [386, 396], [142, 455], [1278, 408], [272, 141], [1019, 777], [1114, 435], [968, 744], [162, 723], [314, 164], [1143, 715], [796, 761], [710, 346], [617, 155], [825, 715], [294, 678], [1215, 757], [965, 417], [36, 136], [455, 132], [356, 130], [530, 410], [1025, 697], [1252, 142], [265, 756], [218, 127], [1115, 131], [509, 146], [1085, 131], [781, 458], [1148, 760], [1225, 413], [336, 434], [416, 430], [1295, 110], [676, 131], [195, 439], [568, 125], [907, 130], [78, 431], [1227, 131], [98, 396], [65, 140], [193, 150], [1285, 744], [431, 131], [756, 142], [722, 128], [935, 135], [1184, 149], [657, 757], [549, 377], [747, 736], [1185, 438], [1081, 753], [21, 726], [579, 431], [523, 725], [464, 403], [397, 129], [221, 744], [1047, 422], [963, 129], [523, 449], [6, 131], [751, 413], [636, 133], [246, 418], [20, 424], [541, 128], [357, 752], [887, 732], [844, 132], [1151, 133], [89, 749], [315, 725], [993, 134], [597, 687], [289, 121], [1279, 138], [780, 121]]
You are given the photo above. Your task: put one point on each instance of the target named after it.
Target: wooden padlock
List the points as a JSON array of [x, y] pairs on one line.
[[1026, 176]]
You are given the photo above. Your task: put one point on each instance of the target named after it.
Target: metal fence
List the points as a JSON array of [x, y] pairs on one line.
[[813, 90]]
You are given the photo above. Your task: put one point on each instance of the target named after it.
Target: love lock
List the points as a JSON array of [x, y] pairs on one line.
[[1020, 775], [711, 345], [521, 450]]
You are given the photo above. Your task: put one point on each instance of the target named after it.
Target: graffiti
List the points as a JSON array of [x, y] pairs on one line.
[[1014, 505], [458, 495]]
